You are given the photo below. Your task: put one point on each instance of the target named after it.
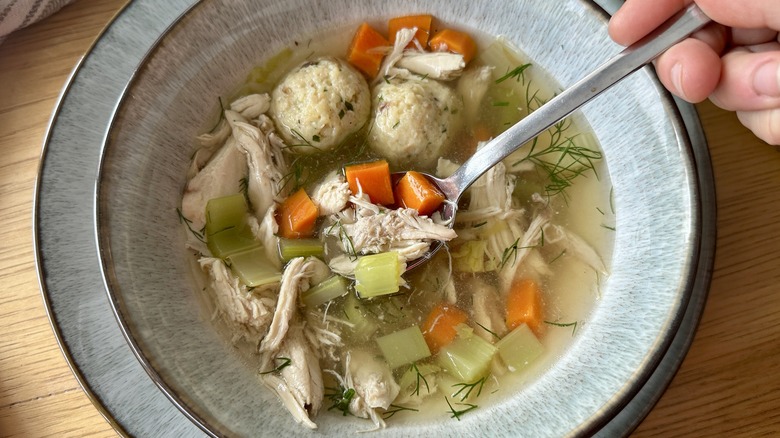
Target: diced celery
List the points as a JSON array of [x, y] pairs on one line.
[[363, 324], [519, 348], [334, 287], [403, 347], [253, 268], [225, 212], [468, 357], [230, 241], [378, 274], [470, 257], [226, 229], [292, 248]]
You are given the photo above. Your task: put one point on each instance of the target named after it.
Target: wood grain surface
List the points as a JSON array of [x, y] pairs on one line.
[[728, 384]]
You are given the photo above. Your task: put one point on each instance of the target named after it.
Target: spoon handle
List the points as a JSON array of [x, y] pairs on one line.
[[621, 65]]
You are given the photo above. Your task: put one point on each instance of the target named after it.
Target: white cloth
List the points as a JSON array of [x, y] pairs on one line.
[[16, 14]]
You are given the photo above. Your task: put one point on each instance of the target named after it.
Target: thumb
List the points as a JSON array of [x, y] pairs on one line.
[[750, 79]]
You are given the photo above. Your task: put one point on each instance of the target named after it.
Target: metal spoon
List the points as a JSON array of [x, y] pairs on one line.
[[611, 72]]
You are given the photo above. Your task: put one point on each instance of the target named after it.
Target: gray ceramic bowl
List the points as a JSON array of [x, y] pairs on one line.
[[211, 49]]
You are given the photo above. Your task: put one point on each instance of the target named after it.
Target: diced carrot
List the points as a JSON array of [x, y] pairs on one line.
[[372, 179], [421, 22], [524, 305], [297, 216], [415, 191], [479, 133], [454, 41], [439, 328], [361, 53]]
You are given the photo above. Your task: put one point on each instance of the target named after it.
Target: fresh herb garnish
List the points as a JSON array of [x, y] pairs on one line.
[[557, 257], [349, 246], [512, 250], [573, 325], [467, 388], [395, 409], [420, 377], [516, 73], [488, 330], [200, 235], [284, 362], [458, 413], [561, 159], [612, 199], [341, 397], [243, 187]]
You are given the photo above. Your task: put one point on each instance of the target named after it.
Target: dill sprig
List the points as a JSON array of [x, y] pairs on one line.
[[458, 413], [517, 74], [305, 167], [488, 330], [573, 325], [511, 250], [562, 160], [349, 246], [306, 143], [284, 362], [557, 257], [200, 235], [394, 409], [420, 377], [467, 388], [341, 397]]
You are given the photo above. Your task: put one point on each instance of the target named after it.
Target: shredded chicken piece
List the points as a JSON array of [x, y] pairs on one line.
[[301, 378], [522, 248], [343, 265], [249, 312], [216, 179], [282, 390], [574, 245], [252, 105], [249, 107], [294, 280], [443, 66], [332, 194], [323, 332], [473, 86], [265, 231], [265, 162], [485, 311], [402, 38], [400, 230], [373, 383]]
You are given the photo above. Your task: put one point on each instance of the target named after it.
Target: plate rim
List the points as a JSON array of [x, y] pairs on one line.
[[96, 398]]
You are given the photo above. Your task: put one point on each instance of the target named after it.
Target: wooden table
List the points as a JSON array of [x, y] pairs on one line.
[[729, 383]]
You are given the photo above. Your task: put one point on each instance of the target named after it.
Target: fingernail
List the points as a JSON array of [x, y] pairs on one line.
[[766, 80], [677, 75]]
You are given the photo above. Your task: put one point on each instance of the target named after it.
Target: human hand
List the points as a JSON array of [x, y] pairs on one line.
[[734, 61]]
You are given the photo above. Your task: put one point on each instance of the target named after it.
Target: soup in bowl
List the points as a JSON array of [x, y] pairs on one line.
[[261, 196]]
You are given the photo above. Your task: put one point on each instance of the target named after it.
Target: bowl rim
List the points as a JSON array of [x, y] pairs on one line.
[[600, 418]]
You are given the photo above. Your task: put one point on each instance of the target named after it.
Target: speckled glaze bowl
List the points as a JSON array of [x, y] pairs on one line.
[[210, 50]]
